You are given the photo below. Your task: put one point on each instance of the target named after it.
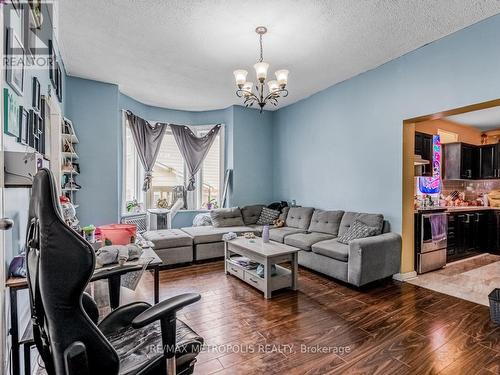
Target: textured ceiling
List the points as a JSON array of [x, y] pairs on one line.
[[181, 54], [485, 119]]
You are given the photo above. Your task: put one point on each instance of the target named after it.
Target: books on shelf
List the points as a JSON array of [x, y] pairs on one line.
[[245, 262]]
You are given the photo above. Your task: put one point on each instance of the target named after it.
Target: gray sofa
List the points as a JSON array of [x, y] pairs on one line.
[[360, 262], [313, 231]]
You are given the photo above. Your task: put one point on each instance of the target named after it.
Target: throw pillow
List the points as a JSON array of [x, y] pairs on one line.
[[226, 217], [267, 216], [358, 229]]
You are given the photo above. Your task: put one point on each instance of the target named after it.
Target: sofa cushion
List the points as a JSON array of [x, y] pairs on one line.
[[168, 238], [372, 220], [226, 217], [279, 234], [251, 213], [210, 233], [304, 241], [267, 216], [326, 222], [358, 229], [299, 217], [332, 249]]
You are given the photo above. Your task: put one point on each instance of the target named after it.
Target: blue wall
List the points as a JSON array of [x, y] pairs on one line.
[[342, 147], [95, 109]]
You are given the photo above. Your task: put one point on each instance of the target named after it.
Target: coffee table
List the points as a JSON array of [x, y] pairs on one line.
[[268, 254]]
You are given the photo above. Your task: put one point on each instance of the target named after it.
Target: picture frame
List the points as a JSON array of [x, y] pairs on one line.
[[36, 12], [59, 87], [46, 126], [52, 64], [34, 130], [29, 34], [23, 125], [36, 98], [11, 114], [16, 61], [41, 136]]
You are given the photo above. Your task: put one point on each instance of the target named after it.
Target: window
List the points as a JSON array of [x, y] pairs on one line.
[[209, 177], [133, 172], [170, 173]]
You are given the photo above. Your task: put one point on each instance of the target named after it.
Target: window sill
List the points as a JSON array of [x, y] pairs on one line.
[[127, 214]]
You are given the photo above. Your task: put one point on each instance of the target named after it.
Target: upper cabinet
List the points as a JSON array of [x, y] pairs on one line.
[[490, 161], [461, 161], [423, 147]]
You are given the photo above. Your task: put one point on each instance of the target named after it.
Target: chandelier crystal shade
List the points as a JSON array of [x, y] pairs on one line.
[[275, 88]]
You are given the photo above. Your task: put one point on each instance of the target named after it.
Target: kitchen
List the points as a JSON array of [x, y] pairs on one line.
[[457, 189]]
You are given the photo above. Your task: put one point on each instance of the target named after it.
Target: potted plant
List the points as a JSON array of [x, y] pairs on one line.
[[133, 206], [212, 203]]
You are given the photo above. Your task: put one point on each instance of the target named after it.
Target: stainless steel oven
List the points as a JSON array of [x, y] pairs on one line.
[[433, 241]]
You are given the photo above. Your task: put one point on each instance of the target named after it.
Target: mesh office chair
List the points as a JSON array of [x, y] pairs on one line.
[[134, 339]]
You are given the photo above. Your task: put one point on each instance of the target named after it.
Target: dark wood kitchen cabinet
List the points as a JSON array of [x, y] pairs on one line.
[[490, 161], [469, 233], [480, 231], [423, 147], [461, 161], [494, 232]]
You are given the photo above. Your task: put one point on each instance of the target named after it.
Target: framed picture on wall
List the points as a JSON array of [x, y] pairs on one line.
[[37, 98], [45, 125], [11, 113], [59, 89], [52, 64], [36, 12], [23, 125], [34, 129], [15, 62]]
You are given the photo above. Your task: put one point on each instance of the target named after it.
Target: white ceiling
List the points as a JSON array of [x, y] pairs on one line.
[[485, 119], [181, 53]]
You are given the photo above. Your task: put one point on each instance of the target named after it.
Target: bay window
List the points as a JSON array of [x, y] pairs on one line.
[[170, 174]]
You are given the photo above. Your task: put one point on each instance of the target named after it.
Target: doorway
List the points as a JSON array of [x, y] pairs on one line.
[[448, 135]]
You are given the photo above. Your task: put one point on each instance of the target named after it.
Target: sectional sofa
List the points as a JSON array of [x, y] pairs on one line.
[[314, 231]]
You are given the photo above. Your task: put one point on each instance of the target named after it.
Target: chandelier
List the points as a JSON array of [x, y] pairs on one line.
[[276, 88]]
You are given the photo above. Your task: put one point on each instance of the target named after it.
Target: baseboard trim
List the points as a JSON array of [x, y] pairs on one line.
[[404, 276]]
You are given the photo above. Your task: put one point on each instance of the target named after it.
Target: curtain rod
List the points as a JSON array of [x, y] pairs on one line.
[[171, 123]]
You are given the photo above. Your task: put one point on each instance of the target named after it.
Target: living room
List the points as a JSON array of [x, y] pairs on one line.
[[227, 187]]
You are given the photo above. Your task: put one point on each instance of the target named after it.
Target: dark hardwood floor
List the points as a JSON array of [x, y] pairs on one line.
[[329, 328]]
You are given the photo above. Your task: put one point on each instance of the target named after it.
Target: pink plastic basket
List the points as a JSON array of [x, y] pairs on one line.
[[118, 234]]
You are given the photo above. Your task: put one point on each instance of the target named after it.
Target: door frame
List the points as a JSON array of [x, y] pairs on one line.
[[408, 251]]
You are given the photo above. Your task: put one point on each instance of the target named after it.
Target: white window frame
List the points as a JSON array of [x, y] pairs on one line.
[[139, 171], [194, 201]]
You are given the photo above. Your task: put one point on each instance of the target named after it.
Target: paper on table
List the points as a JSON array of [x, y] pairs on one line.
[[131, 280]]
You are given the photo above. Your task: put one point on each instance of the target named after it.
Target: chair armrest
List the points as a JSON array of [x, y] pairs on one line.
[[75, 359], [373, 258], [165, 309]]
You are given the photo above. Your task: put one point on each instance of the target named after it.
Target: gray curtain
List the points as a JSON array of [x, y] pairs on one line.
[[193, 149], [147, 139]]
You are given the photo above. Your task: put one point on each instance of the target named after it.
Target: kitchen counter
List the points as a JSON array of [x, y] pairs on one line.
[[456, 209]]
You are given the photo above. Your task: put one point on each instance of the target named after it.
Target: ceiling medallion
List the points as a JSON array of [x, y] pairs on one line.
[[276, 88]]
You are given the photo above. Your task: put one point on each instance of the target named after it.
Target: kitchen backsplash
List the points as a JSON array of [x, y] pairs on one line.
[[472, 189]]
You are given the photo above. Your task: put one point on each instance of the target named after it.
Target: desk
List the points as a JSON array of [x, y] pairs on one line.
[[112, 273]]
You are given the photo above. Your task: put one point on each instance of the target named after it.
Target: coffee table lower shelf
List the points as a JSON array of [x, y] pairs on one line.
[[282, 277]]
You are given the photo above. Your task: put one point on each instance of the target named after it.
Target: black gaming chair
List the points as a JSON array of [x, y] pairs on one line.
[[134, 339]]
